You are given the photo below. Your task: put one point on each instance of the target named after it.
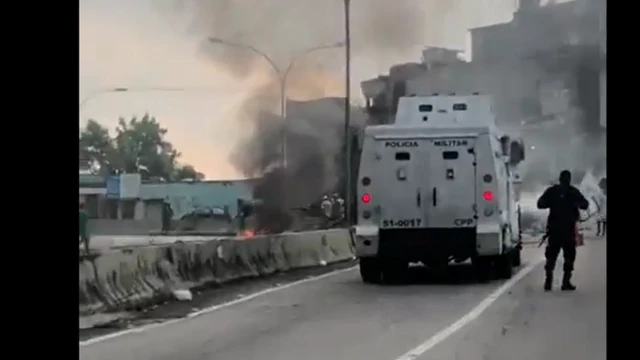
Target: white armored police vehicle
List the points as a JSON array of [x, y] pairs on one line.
[[438, 186]]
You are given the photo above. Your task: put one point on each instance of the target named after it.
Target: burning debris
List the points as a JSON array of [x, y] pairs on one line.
[[314, 165], [248, 234]]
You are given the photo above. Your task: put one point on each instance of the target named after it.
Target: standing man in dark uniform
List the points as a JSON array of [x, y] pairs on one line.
[[84, 228], [167, 215], [564, 202]]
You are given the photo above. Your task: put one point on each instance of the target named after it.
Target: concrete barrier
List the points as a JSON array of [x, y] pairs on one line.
[[126, 278], [105, 242], [315, 248]]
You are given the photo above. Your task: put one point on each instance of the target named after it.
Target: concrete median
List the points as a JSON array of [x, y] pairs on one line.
[[125, 279], [134, 278], [316, 248]]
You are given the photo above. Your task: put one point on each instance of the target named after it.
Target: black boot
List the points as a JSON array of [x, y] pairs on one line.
[[566, 282], [548, 281]]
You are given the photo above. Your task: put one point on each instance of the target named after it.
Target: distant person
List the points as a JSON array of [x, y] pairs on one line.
[[341, 206], [564, 202], [326, 206], [167, 215], [601, 216], [244, 211], [84, 228], [336, 207]]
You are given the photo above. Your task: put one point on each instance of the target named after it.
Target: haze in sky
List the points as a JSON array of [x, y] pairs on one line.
[[139, 44]]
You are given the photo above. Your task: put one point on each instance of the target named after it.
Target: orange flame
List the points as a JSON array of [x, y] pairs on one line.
[[249, 233]]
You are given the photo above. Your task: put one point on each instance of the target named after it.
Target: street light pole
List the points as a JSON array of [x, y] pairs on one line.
[[347, 111], [282, 78]]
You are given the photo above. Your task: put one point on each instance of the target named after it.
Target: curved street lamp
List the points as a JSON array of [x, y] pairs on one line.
[[280, 73]]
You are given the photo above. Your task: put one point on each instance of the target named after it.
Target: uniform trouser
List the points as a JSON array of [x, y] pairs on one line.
[[602, 227], [85, 241], [568, 247]]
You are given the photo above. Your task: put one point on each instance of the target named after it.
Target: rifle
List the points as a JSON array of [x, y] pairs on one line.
[[544, 238]]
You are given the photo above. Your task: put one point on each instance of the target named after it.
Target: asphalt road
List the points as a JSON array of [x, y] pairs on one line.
[[443, 316], [530, 324]]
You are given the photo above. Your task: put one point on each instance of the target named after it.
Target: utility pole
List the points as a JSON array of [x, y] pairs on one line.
[[347, 111], [282, 76]]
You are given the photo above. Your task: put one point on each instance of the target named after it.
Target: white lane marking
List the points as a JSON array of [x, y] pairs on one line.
[[98, 339], [472, 315]]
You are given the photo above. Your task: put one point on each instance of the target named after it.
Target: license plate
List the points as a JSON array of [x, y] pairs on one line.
[[401, 223]]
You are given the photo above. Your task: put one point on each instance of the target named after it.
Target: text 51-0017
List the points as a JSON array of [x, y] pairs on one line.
[[388, 223]]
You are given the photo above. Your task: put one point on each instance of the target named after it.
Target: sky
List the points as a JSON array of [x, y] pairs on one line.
[[136, 44]]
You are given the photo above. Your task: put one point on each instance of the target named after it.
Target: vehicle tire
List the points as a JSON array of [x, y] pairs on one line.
[[517, 256], [394, 271], [519, 224], [370, 270], [504, 262], [504, 265], [482, 268]]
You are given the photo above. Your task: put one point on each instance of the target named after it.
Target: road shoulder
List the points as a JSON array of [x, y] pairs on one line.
[[528, 323], [104, 324]]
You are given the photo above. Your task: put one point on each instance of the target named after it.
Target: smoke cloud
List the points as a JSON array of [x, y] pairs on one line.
[[572, 139], [383, 32], [285, 30]]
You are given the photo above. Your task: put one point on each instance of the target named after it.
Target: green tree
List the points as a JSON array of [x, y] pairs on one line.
[[96, 147], [139, 146], [187, 172]]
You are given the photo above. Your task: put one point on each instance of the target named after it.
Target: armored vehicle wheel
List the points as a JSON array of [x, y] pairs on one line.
[[504, 265], [370, 271], [482, 268], [517, 256], [393, 271]]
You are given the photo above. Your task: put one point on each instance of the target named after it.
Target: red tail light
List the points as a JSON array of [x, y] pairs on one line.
[[487, 195], [366, 198]]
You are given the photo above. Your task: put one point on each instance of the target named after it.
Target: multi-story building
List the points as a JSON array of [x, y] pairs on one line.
[[546, 62], [538, 29], [567, 40], [382, 93]]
